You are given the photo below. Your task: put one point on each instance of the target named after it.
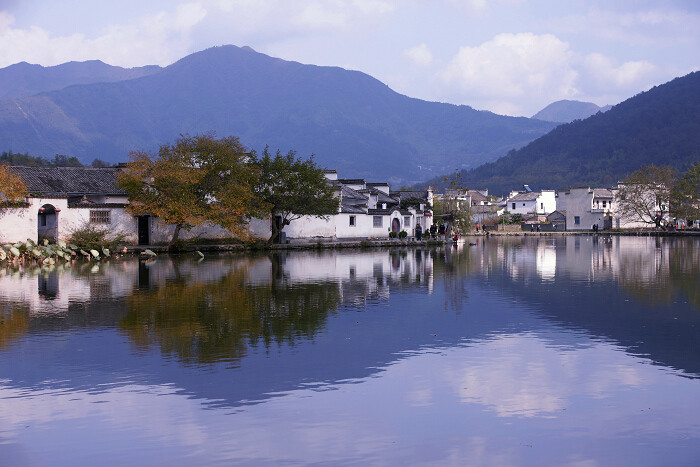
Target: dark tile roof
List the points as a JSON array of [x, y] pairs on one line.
[[405, 194], [352, 181], [384, 198], [350, 209], [349, 193], [352, 201], [378, 212], [70, 179]]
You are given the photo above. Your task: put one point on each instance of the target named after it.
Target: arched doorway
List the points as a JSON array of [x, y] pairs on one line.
[[395, 225], [47, 224]]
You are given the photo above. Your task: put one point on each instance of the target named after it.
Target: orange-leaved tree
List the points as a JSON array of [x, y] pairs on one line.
[[197, 179], [12, 189]]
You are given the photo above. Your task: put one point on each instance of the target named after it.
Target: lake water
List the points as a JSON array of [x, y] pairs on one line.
[[573, 350]]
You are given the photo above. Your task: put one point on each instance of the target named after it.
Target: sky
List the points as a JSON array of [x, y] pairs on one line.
[[512, 57]]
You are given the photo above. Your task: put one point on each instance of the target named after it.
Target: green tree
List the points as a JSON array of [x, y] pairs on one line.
[[454, 205], [291, 187], [686, 195], [196, 180], [645, 195]]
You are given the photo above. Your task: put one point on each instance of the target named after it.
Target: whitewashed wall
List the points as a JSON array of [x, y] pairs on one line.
[[22, 223]]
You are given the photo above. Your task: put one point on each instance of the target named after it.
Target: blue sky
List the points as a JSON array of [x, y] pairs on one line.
[[509, 56]]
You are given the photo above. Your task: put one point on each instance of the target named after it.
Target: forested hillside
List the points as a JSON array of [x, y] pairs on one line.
[[660, 126]]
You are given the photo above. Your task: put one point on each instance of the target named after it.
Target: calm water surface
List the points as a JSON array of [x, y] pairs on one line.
[[514, 351]]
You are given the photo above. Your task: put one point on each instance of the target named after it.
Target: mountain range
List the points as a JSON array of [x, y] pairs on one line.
[[349, 120], [567, 111], [25, 79], [660, 126]]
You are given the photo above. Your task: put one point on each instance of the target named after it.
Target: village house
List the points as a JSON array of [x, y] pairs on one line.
[[64, 199], [531, 202], [586, 207], [366, 210], [482, 207]]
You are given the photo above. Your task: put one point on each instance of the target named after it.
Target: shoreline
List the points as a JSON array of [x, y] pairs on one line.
[[389, 243]]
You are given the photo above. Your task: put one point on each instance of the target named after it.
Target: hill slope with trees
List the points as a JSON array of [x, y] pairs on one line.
[[351, 121], [660, 126]]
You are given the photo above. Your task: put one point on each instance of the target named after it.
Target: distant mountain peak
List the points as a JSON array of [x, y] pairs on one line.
[[566, 111], [351, 121]]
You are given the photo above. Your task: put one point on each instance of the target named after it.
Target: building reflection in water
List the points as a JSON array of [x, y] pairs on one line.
[[200, 311]]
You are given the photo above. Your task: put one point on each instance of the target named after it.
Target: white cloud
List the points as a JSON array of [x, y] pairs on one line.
[[154, 39], [606, 72], [513, 66], [322, 15], [638, 28], [419, 55], [374, 7], [517, 74]]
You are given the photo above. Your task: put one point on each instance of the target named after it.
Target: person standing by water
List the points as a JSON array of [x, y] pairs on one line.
[[419, 232]]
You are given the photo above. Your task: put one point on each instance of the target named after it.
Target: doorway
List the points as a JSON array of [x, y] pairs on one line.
[[47, 223], [144, 229], [395, 225]]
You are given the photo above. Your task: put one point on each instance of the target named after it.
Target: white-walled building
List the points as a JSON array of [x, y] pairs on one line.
[[531, 202], [366, 210], [64, 199], [586, 207]]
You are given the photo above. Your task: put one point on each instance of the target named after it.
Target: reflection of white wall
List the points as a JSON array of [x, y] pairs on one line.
[[546, 261]]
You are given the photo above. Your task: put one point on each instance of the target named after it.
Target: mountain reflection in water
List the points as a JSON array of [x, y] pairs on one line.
[[525, 327]]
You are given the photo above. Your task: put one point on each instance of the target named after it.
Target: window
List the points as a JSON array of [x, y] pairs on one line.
[[352, 221], [513, 205], [577, 220], [99, 217], [406, 221], [377, 221], [542, 206], [605, 204]]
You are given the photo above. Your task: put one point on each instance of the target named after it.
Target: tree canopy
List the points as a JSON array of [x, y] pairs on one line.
[[59, 160], [450, 208], [197, 179], [12, 188], [291, 187], [686, 194], [645, 195]]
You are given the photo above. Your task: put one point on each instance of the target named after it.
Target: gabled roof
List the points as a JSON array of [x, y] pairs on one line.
[[557, 215], [525, 196], [53, 180], [349, 193], [352, 181], [477, 196], [389, 209], [384, 198], [602, 193], [406, 194]]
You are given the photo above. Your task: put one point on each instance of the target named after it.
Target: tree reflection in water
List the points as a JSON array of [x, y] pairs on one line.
[[205, 322]]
